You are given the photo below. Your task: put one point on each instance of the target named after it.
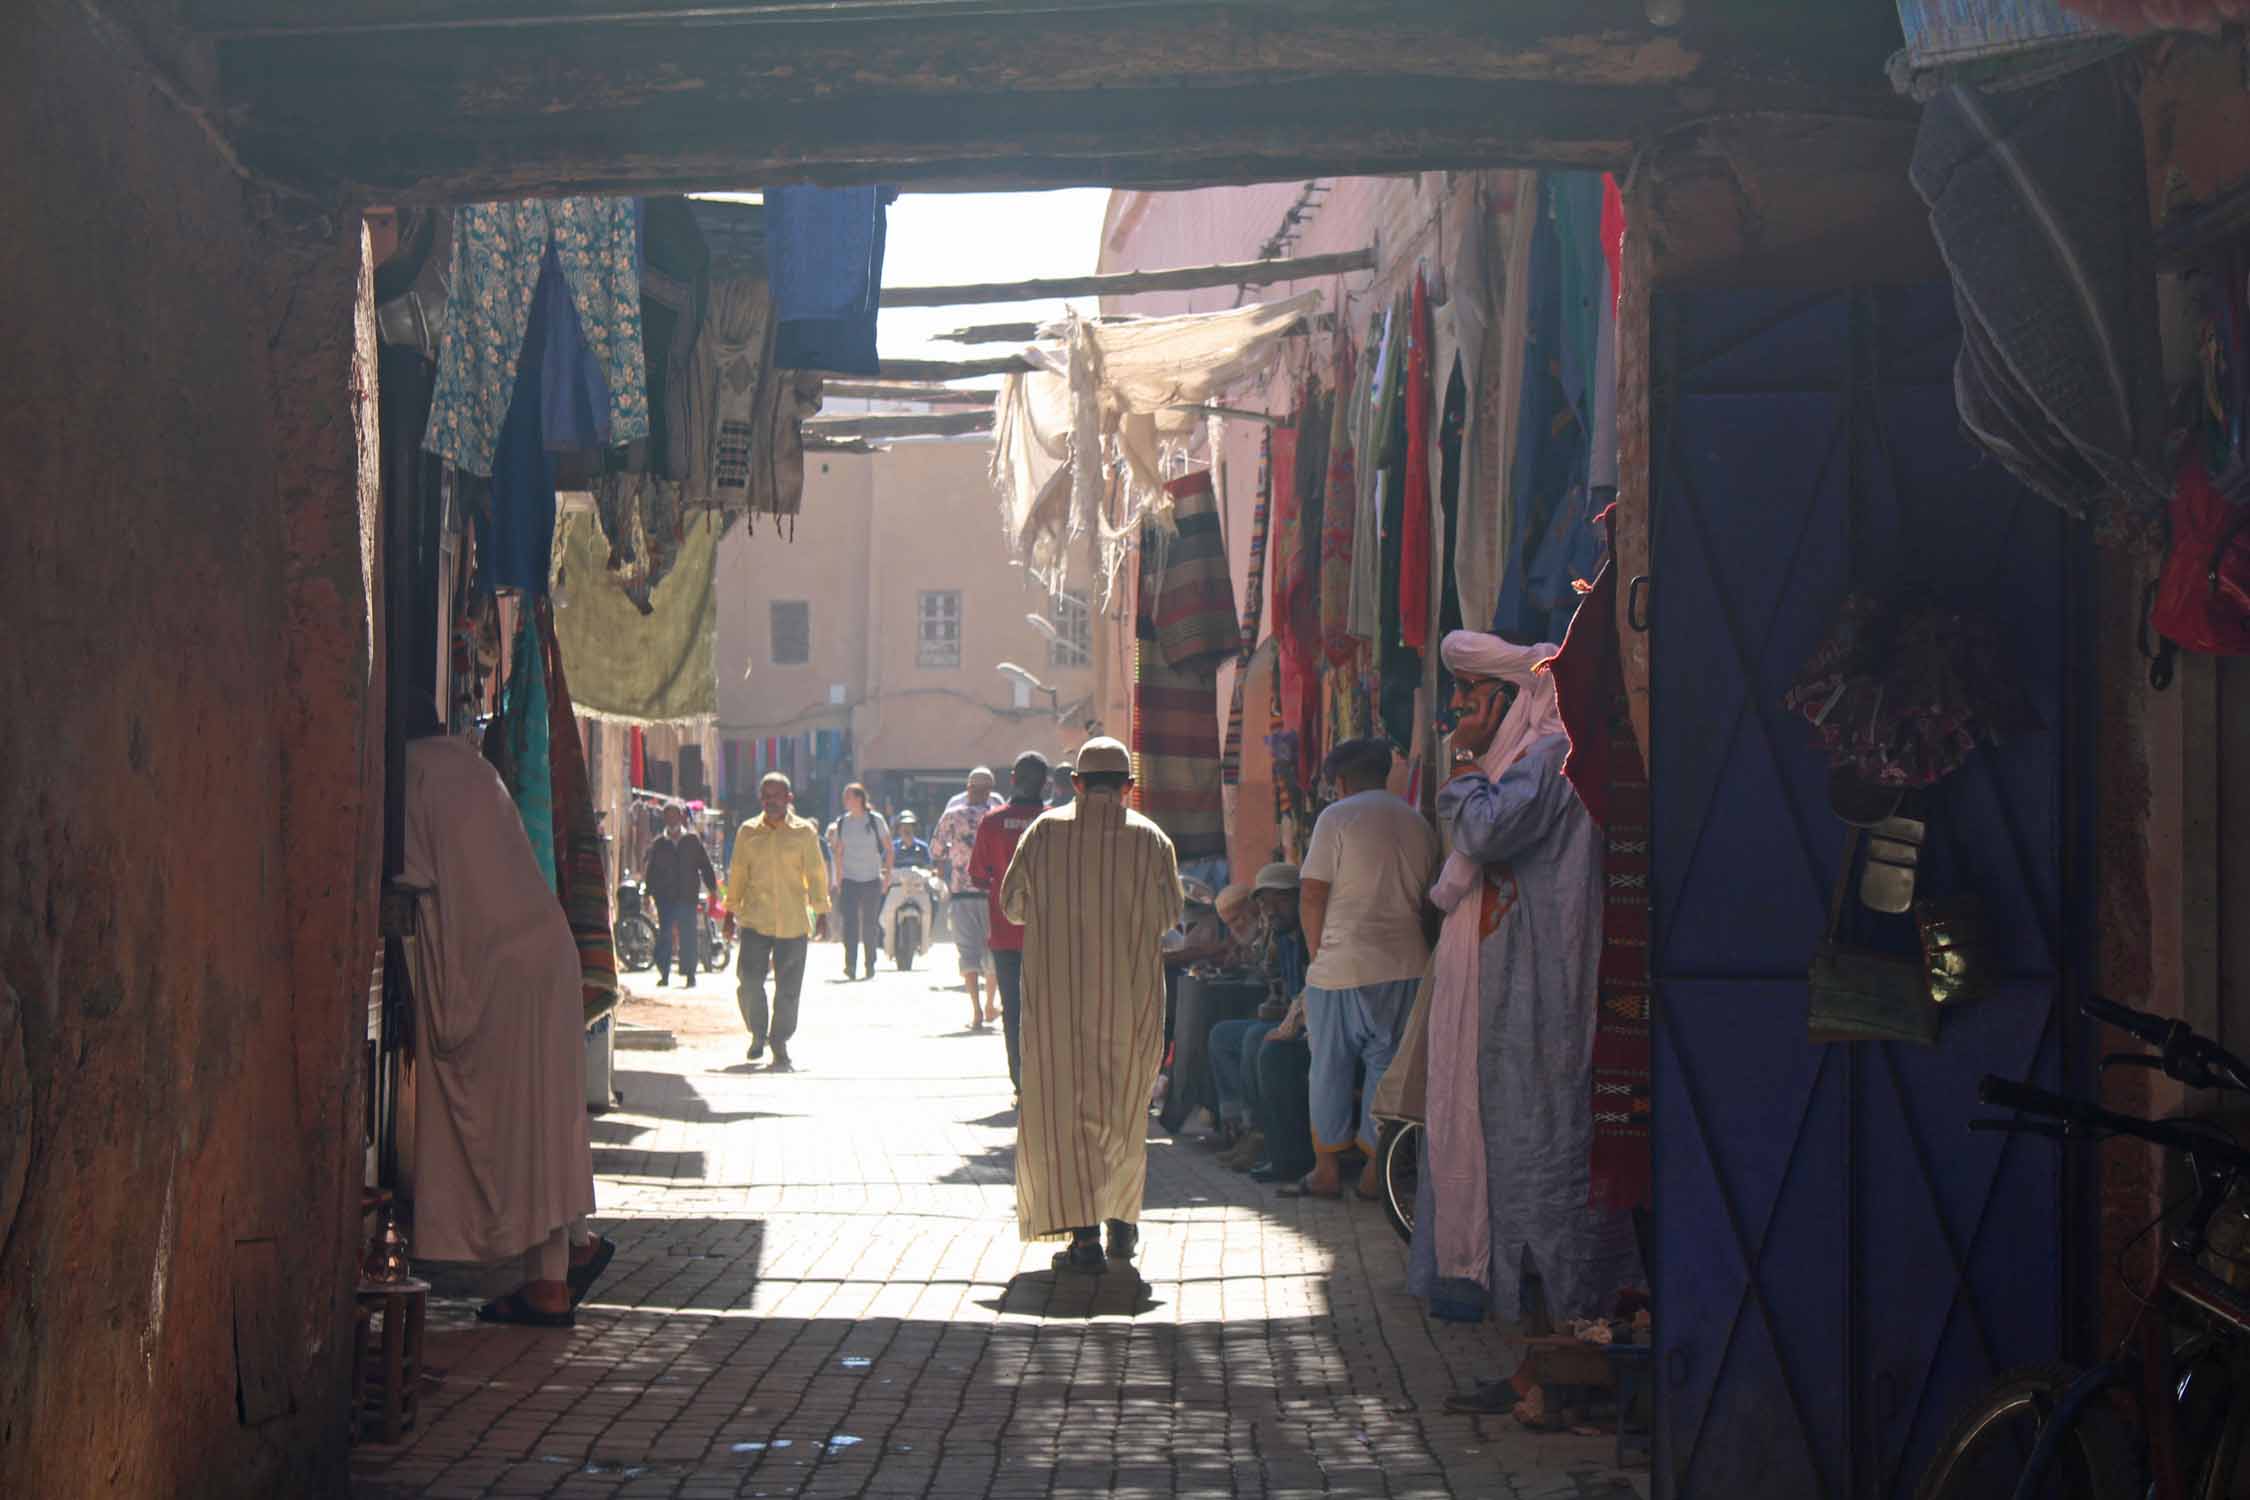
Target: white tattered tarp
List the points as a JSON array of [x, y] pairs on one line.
[[1127, 381]]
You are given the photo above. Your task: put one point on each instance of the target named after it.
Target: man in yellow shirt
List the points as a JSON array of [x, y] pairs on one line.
[[777, 891]]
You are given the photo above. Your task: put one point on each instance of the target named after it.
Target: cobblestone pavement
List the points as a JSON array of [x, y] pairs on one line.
[[819, 1292]]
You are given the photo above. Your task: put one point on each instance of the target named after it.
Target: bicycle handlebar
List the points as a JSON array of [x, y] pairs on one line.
[[2185, 1056], [2083, 1117], [2153, 1030]]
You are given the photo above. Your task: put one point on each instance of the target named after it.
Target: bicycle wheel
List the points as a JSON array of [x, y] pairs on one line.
[[636, 944], [1397, 1165], [1985, 1453]]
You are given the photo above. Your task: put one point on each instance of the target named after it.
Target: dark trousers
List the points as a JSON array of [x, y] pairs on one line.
[[676, 923], [1234, 1067], [1285, 1105], [1007, 973], [787, 957], [858, 902]]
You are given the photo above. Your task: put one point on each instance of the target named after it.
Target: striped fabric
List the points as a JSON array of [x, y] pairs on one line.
[[580, 877], [1187, 626], [1096, 887]]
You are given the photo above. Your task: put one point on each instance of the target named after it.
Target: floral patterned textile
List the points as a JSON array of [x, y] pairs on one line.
[[497, 251]]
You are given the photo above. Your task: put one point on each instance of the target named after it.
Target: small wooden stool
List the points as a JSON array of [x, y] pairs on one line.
[[387, 1380]]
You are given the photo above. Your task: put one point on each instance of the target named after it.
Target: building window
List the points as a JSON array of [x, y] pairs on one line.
[[792, 632], [1073, 645], [940, 628]]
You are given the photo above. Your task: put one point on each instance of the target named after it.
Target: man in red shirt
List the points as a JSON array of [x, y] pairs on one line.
[[997, 837]]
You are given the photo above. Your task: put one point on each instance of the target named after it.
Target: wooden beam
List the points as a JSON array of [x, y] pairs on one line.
[[815, 443], [901, 390], [1024, 333], [248, 18], [1170, 96], [1126, 283], [937, 371], [917, 424]]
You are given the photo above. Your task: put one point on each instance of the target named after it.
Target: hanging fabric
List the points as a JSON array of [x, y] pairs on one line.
[[825, 248], [1414, 539], [516, 743], [1230, 749], [580, 881], [1339, 518], [645, 659], [499, 253]]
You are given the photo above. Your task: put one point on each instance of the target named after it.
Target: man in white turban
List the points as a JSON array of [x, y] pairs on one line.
[[1511, 1028]]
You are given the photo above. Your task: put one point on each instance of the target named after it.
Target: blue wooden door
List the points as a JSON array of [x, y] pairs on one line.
[[1839, 1262]]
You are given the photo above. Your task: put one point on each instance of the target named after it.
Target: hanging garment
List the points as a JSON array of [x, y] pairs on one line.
[[499, 250], [1398, 665], [649, 667], [1094, 886], [1453, 420], [1363, 611], [644, 523], [746, 440], [825, 247], [1414, 536], [516, 521], [2039, 201], [1606, 769], [580, 881], [1187, 590], [1539, 923], [521, 753], [1490, 524], [1185, 624], [1230, 749], [1339, 518], [1549, 464], [499, 1157], [675, 260]]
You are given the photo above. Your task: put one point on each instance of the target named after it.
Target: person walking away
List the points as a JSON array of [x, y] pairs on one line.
[[776, 878], [677, 871], [968, 913], [495, 1110], [1365, 870], [864, 871], [1094, 886], [997, 838], [1512, 1015]]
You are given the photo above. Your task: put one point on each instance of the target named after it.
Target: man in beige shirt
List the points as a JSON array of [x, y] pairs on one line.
[[1362, 900]]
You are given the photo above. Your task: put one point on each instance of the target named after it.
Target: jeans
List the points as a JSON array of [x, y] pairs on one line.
[[676, 922], [787, 956], [858, 902], [1007, 975], [1234, 1067], [1285, 1105], [1351, 1029]]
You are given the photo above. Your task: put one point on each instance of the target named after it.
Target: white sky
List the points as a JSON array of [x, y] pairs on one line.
[[947, 239], [943, 239]]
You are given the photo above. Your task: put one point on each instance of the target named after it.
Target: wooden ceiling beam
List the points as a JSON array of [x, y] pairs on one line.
[[1126, 283], [905, 424]]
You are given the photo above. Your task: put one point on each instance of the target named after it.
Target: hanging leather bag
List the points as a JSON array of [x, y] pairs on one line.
[[1860, 995]]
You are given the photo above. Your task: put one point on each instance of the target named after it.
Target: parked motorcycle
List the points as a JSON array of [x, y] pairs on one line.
[[908, 921], [635, 932]]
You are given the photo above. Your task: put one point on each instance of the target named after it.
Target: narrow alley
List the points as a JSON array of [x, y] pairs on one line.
[[819, 1291]]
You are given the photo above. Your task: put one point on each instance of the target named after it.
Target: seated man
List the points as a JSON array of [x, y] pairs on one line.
[[1235, 1045]]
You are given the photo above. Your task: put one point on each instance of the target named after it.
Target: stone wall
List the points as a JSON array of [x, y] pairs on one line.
[[188, 786]]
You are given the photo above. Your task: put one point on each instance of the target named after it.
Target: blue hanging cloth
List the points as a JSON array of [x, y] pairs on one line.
[[824, 252]]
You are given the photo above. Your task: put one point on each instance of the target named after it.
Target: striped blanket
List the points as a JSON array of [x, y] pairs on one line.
[[1187, 626]]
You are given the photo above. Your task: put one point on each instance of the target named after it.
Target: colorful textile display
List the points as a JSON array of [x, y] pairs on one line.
[[580, 880], [743, 410], [499, 252]]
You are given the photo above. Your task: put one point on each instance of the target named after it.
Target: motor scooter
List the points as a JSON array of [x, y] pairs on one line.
[[908, 919]]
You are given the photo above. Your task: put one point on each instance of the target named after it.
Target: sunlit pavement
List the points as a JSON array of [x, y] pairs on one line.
[[819, 1292]]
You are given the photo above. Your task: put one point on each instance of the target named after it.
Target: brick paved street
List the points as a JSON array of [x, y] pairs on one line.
[[819, 1293]]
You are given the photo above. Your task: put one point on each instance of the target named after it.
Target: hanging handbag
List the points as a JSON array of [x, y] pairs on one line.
[[1859, 995]]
